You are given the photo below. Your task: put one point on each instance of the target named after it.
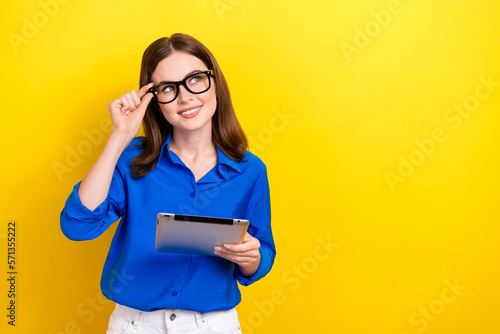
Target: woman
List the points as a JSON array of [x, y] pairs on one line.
[[192, 160]]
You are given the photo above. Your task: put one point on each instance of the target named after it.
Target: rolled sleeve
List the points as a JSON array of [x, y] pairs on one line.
[[266, 263], [80, 223]]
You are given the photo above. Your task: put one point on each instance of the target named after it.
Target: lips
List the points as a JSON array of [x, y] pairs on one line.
[[190, 112]]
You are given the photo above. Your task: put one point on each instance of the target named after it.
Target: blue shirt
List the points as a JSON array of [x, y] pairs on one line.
[[138, 276]]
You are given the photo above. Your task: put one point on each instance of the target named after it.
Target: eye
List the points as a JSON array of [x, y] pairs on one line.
[[167, 89], [195, 79]]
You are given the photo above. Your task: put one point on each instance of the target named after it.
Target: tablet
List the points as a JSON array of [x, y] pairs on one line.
[[197, 234]]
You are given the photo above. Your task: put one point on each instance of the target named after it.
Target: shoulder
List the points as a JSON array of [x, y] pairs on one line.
[[253, 164], [254, 171], [132, 150]]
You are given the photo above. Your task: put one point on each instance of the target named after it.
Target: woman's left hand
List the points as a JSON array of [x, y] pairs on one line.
[[246, 255]]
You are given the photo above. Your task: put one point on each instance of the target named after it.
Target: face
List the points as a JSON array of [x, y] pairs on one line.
[[189, 111]]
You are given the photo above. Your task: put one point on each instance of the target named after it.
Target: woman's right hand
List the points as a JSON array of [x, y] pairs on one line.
[[128, 111]]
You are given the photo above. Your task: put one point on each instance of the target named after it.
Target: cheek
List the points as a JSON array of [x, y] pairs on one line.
[[212, 99], [167, 112]]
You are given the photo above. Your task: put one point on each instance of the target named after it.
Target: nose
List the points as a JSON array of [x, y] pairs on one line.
[[184, 95]]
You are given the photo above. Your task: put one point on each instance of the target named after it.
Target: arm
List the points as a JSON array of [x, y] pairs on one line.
[[98, 201], [255, 255], [127, 113]]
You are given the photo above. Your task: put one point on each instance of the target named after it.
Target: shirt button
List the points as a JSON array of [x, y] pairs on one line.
[[173, 316], [192, 194], [184, 261], [174, 293], [223, 168]]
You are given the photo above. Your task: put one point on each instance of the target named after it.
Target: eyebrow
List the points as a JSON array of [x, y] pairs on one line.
[[187, 75]]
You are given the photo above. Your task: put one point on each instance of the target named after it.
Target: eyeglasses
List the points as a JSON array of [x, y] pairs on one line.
[[167, 92]]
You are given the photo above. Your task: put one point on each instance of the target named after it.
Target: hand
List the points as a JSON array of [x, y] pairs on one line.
[[128, 111], [246, 255]]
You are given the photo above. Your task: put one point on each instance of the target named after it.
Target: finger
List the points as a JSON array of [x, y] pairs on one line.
[[145, 100], [239, 247], [125, 105], [246, 245], [130, 103], [244, 241], [237, 258], [141, 109], [227, 253], [144, 90], [235, 248], [134, 97]]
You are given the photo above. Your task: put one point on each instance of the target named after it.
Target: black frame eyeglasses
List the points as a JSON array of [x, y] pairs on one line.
[[154, 90]]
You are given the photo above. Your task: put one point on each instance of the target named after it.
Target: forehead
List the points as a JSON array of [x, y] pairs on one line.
[[176, 66]]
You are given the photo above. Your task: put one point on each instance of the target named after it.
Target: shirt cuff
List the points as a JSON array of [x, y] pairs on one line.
[[266, 262], [75, 208], [79, 222]]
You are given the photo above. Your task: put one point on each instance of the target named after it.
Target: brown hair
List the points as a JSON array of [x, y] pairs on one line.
[[227, 133]]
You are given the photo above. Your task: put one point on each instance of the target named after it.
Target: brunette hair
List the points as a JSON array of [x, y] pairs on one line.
[[227, 133]]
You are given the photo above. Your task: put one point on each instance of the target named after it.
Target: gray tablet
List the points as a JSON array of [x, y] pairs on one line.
[[197, 234]]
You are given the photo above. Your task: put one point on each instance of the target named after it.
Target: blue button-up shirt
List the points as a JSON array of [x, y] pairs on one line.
[[138, 276]]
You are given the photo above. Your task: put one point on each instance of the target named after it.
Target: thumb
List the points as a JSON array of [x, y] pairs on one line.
[[144, 90], [141, 109]]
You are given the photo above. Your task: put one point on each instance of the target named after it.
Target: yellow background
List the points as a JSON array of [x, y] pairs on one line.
[[333, 95]]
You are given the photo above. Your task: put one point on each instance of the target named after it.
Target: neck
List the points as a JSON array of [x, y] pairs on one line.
[[192, 143]]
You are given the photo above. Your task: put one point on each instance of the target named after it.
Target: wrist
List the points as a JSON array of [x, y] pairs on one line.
[[119, 140], [251, 268]]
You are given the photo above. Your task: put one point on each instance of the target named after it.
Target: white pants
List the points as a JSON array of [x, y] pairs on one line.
[[127, 320]]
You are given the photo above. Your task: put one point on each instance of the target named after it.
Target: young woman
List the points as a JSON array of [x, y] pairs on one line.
[[193, 160]]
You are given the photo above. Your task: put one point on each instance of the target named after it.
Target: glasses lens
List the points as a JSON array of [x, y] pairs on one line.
[[166, 93], [198, 83]]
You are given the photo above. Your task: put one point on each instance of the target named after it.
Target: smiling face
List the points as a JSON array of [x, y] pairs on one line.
[[189, 111]]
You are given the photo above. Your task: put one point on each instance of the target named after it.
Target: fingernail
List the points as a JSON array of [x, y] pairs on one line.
[[217, 249], [227, 246]]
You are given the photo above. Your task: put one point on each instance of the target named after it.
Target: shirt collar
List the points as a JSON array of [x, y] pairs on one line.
[[222, 158]]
